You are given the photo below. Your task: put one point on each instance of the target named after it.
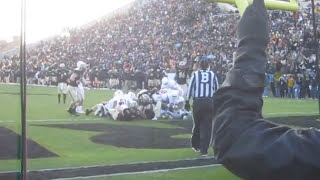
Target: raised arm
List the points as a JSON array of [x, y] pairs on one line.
[[244, 143]]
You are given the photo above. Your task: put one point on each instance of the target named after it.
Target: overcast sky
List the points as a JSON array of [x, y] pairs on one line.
[[46, 18]]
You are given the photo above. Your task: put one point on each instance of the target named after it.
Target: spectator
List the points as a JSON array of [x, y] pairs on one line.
[[283, 86], [297, 86], [158, 34], [290, 84]]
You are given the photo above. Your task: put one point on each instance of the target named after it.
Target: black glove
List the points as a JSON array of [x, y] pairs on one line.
[[187, 106], [171, 107]]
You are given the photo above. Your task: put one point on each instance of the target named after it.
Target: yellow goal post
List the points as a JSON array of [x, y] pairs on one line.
[[270, 4]]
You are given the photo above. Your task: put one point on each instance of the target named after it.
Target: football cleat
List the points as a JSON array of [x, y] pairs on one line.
[[195, 149], [88, 111]]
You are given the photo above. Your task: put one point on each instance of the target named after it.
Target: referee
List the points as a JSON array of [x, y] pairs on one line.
[[202, 86]]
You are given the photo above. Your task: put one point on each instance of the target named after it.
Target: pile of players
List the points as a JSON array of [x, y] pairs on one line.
[[168, 102]]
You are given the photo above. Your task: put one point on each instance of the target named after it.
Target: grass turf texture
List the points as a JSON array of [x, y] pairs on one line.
[[75, 148]]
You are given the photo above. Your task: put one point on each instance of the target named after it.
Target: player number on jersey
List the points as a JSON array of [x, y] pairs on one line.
[[204, 77], [181, 74]]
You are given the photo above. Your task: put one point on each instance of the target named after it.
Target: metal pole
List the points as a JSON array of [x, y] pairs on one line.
[[315, 30], [23, 91], [316, 45]]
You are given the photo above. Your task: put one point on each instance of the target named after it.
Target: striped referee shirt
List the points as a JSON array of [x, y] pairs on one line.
[[203, 84]]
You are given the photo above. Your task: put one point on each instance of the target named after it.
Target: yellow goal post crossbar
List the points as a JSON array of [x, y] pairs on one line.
[[270, 4]]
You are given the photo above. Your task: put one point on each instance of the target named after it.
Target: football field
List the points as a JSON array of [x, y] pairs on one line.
[[61, 146]]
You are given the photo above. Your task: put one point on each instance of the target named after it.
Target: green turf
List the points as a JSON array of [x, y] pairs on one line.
[[10, 110], [75, 149], [218, 173], [277, 107], [42, 104]]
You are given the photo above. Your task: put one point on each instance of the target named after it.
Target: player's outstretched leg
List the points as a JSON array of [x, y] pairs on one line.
[[88, 111], [59, 96]]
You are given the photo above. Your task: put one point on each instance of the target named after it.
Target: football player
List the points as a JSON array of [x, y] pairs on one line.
[[175, 107], [145, 104], [62, 77], [169, 85], [171, 100], [74, 91], [181, 75], [151, 78], [102, 108]]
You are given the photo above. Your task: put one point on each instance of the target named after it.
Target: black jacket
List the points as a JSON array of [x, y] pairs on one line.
[[246, 144]]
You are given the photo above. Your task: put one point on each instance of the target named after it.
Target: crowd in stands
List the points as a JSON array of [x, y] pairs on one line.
[[152, 37]]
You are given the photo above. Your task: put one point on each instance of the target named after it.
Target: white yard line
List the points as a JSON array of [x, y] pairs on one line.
[[290, 113], [94, 166], [8, 121], [50, 86], [53, 120], [141, 172]]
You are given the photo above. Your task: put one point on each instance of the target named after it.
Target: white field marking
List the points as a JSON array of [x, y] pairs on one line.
[[140, 172], [8, 121], [289, 113], [94, 166], [34, 85], [54, 120]]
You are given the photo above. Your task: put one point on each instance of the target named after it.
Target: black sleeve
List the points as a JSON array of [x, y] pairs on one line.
[[243, 141]]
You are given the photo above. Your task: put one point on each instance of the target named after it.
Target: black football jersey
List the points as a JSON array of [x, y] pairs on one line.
[[181, 75], [62, 76], [79, 75], [151, 75]]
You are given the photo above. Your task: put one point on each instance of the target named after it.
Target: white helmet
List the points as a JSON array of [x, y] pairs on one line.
[[81, 65], [62, 65], [118, 93], [165, 81], [131, 95], [143, 91], [156, 97], [182, 63], [133, 104], [174, 93]]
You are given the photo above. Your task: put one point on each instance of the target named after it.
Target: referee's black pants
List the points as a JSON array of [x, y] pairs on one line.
[[202, 122]]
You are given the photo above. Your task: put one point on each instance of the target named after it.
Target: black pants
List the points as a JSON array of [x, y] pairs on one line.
[[282, 91], [202, 124], [273, 90], [139, 84]]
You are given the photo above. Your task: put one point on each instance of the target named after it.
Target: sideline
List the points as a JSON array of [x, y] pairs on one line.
[[292, 113], [103, 165], [139, 172], [110, 165], [53, 120]]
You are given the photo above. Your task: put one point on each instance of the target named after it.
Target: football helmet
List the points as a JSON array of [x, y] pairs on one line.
[[118, 93]]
